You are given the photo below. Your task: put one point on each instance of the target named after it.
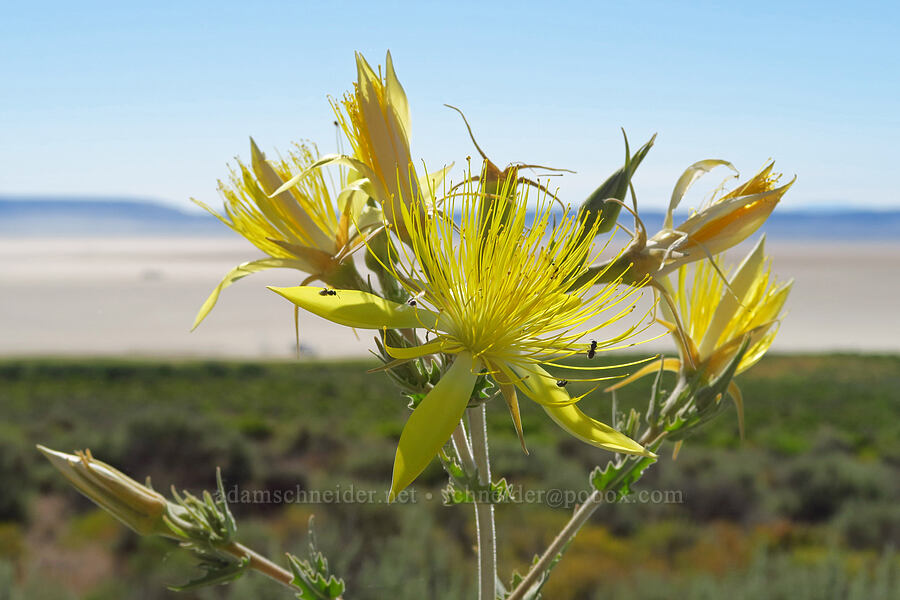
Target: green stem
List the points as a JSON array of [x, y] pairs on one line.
[[484, 508], [463, 449], [261, 564], [565, 536]]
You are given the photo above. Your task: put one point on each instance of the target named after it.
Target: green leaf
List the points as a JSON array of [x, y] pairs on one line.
[[534, 592], [620, 478], [218, 572], [312, 577]]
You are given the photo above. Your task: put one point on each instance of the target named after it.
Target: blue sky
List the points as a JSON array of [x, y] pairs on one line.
[[153, 102]]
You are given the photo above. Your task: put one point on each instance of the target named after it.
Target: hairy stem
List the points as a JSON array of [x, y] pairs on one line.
[[463, 449], [652, 437], [484, 508], [568, 532]]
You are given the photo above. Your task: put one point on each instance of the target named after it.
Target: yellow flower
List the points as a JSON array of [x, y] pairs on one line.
[[721, 223], [714, 320], [303, 227], [724, 222], [375, 119], [500, 302]]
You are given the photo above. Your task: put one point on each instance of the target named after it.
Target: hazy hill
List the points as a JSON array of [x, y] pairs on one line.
[[88, 217], [61, 216]]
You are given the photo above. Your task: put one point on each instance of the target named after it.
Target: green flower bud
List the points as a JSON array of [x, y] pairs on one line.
[[616, 186], [137, 506]]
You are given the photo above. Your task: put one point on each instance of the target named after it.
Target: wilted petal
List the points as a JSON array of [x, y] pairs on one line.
[[690, 175]]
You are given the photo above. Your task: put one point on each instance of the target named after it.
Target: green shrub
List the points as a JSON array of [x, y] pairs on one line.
[[870, 524], [814, 488], [180, 449]]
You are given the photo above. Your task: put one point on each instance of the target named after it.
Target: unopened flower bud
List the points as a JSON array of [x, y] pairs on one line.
[[137, 506]]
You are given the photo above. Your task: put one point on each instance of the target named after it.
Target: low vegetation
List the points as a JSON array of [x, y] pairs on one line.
[[804, 507]]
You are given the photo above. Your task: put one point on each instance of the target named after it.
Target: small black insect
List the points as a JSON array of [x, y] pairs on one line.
[[562, 382], [327, 292], [411, 301], [593, 349]]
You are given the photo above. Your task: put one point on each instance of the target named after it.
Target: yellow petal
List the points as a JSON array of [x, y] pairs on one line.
[[593, 431], [432, 422], [730, 221], [733, 297], [541, 387], [415, 351], [328, 159], [690, 175], [512, 403], [429, 182], [358, 309], [396, 96], [270, 181], [241, 271]]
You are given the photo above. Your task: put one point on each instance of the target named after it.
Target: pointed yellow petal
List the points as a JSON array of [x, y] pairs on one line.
[[432, 422], [542, 388], [358, 309], [508, 389], [242, 271], [415, 351], [730, 221], [733, 297], [429, 182], [593, 431], [270, 181], [396, 96]]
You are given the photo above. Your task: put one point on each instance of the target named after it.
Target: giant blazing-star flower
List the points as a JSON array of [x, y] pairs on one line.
[[306, 226], [715, 320], [375, 119], [496, 297], [724, 221]]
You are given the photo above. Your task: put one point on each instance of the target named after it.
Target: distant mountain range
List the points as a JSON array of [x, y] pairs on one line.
[[83, 217]]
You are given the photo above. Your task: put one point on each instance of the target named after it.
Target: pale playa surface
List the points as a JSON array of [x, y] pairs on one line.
[[138, 297]]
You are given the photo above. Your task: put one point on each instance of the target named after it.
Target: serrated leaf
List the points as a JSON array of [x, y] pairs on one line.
[[620, 478]]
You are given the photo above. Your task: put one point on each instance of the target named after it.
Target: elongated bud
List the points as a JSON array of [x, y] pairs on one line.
[[616, 186], [137, 506]]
